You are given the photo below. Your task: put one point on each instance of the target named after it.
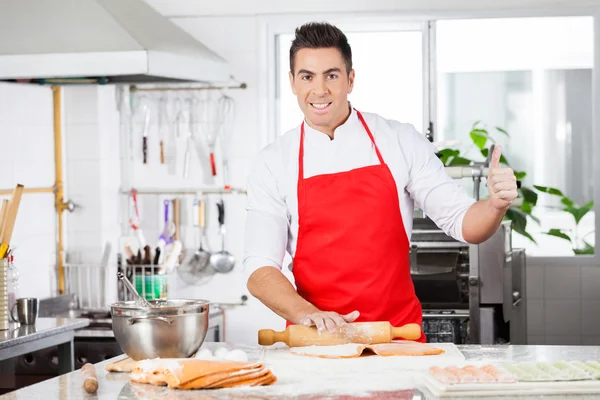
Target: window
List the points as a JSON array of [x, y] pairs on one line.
[[389, 77], [532, 77]]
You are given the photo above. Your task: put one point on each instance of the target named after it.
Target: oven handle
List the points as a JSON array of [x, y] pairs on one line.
[[133, 320]]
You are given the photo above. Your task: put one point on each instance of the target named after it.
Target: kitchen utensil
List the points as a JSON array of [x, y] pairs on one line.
[[166, 235], [90, 380], [227, 110], [222, 261], [173, 256], [195, 269], [173, 136], [135, 222], [27, 310], [190, 141], [11, 217], [176, 218], [356, 332], [174, 328], [146, 111], [163, 119], [140, 300]]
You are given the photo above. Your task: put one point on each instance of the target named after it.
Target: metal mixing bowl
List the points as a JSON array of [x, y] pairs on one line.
[[171, 328]]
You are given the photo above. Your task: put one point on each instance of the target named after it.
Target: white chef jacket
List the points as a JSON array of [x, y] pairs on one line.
[[272, 202]]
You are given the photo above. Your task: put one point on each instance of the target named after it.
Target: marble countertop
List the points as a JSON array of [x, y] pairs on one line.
[[117, 385], [43, 328]]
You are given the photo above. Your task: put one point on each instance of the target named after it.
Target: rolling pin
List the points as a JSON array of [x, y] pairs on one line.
[[356, 332], [90, 380]]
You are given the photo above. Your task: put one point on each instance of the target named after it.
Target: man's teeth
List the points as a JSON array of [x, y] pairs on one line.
[[315, 105]]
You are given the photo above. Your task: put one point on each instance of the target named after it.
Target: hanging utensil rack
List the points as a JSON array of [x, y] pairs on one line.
[[167, 192]]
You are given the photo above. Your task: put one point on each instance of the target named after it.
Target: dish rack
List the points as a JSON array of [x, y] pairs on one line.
[[96, 286]]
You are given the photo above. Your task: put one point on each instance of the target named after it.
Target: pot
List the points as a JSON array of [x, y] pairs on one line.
[[170, 328]]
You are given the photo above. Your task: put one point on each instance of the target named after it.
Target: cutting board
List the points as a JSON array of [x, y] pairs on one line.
[[440, 390]]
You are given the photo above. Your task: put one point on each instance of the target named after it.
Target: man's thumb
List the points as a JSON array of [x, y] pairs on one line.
[[351, 317], [495, 163]]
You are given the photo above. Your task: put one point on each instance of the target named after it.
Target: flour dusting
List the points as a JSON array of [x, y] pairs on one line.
[[335, 351], [360, 377]]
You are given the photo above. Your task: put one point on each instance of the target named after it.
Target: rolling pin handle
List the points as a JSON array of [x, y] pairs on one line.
[[267, 337], [408, 332]]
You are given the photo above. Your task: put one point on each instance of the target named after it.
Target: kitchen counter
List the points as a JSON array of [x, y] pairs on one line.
[[46, 332], [115, 385]]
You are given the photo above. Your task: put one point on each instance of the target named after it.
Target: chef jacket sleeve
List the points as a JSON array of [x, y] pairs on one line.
[[432, 189], [266, 220]]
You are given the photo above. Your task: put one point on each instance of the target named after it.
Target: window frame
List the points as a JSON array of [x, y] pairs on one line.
[[271, 26]]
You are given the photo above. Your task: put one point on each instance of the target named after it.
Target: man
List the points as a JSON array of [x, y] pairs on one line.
[[338, 194]]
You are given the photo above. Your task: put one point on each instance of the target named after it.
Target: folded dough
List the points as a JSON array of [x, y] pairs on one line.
[[200, 374], [353, 350]]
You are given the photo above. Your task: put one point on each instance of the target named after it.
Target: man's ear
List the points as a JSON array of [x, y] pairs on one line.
[[292, 82], [350, 81]]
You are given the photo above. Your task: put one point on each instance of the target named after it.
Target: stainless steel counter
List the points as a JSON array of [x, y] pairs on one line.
[[45, 333], [112, 385]]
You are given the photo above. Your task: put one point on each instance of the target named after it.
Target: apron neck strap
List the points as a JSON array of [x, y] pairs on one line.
[[301, 151]]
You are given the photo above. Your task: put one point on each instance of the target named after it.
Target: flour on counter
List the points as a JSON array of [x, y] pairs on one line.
[[335, 351], [359, 377]]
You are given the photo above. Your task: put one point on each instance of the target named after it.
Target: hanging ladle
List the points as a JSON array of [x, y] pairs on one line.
[[222, 261], [139, 300]]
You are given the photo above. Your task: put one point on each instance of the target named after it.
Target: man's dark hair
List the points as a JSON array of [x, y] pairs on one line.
[[320, 35]]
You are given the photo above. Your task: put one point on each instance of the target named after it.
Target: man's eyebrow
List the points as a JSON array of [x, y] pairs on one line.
[[330, 70]]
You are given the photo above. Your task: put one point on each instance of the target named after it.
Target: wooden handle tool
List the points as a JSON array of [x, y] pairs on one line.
[[90, 380], [10, 218], [357, 332]]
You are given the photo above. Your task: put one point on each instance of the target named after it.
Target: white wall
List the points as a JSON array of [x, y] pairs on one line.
[[26, 130]]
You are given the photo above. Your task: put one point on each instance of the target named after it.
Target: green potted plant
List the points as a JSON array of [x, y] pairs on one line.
[[519, 214]]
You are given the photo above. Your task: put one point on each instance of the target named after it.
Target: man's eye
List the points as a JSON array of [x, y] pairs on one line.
[[306, 78], [332, 76]]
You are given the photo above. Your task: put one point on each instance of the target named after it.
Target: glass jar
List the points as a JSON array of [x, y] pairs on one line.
[[12, 282]]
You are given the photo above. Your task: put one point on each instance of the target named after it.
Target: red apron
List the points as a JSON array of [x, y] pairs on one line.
[[352, 251]]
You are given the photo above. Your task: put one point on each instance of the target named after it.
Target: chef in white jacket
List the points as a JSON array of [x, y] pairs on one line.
[[338, 193]]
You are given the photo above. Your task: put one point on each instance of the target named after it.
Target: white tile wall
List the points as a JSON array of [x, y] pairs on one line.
[[563, 304], [28, 158]]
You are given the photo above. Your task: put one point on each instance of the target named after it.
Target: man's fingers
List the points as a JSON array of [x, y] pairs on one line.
[[495, 163], [500, 186], [337, 319], [351, 317], [330, 325], [319, 323]]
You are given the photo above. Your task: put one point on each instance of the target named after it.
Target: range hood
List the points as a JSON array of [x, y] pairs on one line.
[[108, 41]]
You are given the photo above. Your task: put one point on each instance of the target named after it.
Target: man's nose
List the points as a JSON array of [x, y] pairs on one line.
[[320, 87]]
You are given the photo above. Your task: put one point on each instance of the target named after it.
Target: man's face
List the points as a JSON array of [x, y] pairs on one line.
[[322, 84]]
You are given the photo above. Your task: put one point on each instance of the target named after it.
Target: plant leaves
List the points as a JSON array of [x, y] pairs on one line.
[[446, 154], [529, 195], [567, 202], [502, 130], [459, 161], [527, 208], [520, 175], [587, 250], [476, 123], [579, 212], [519, 222], [558, 233], [549, 190], [479, 139]]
